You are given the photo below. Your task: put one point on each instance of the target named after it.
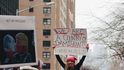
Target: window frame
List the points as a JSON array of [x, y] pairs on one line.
[[46, 55], [46, 32], [46, 44], [46, 0], [46, 21], [46, 10], [31, 0], [31, 9], [47, 67]]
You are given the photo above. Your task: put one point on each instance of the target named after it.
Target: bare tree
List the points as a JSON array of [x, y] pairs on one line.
[[112, 32]]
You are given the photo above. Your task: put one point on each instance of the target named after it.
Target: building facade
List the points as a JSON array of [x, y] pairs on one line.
[[58, 14], [8, 7], [71, 14]]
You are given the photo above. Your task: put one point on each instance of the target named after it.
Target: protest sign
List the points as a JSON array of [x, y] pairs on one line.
[[70, 41], [17, 41]]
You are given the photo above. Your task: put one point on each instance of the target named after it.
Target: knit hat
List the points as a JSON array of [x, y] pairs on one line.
[[71, 58]]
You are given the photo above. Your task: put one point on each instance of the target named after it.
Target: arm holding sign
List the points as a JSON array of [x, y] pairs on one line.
[[60, 61], [81, 61], [83, 58]]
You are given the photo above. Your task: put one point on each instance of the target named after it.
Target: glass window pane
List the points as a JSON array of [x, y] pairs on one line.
[[46, 55], [46, 66], [47, 10], [46, 32], [47, 21], [31, 0], [31, 9], [46, 0], [46, 43]]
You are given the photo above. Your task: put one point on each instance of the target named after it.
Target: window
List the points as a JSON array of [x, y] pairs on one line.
[[46, 55], [31, 0], [47, 10], [46, 32], [46, 43], [47, 21], [31, 9], [46, 66], [0, 11], [46, 0]]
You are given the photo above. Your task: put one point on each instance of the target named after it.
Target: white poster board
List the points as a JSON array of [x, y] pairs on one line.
[[70, 41], [17, 41]]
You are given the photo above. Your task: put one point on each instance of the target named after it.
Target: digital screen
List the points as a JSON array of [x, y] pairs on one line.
[[17, 46]]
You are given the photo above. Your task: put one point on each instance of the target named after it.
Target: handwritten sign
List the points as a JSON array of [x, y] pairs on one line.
[[70, 41]]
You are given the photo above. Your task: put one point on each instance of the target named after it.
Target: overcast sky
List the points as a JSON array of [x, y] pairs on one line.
[[86, 8]]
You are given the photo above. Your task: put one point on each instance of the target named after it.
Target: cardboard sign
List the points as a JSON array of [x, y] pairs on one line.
[[70, 41], [17, 41]]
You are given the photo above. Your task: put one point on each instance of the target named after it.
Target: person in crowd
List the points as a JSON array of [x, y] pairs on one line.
[[9, 49], [22, 55], [70, 62]]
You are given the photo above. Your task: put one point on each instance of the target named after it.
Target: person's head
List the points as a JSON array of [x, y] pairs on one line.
[[21, 43], [9, 45], [71, 61]]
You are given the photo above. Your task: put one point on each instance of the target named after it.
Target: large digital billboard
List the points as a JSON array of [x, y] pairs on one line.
[[17, 41]]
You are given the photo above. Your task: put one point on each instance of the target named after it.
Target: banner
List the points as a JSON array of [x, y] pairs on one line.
[[17, 41], [70, 41]]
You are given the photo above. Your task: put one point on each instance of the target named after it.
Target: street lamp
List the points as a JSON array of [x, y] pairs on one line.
[[48, 4]]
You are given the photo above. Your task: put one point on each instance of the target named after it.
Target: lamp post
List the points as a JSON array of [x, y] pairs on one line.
[[19, 11]]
